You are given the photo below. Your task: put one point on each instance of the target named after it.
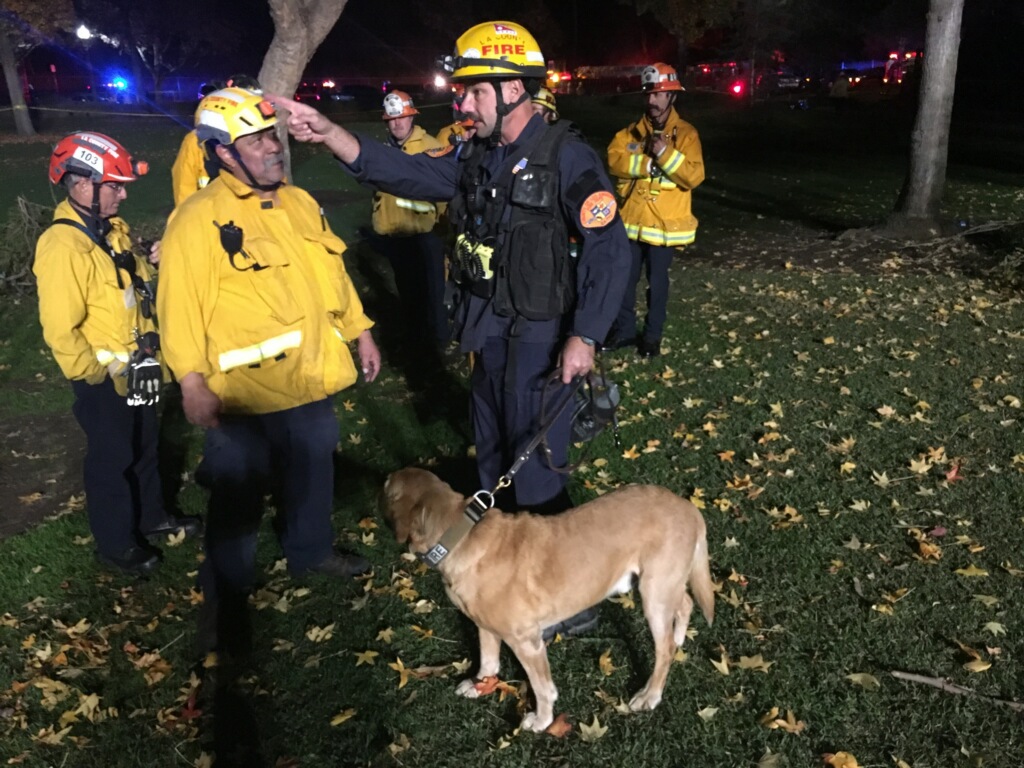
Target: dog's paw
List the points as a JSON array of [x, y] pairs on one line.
[[467, 689], [533, 722], [644, 701]]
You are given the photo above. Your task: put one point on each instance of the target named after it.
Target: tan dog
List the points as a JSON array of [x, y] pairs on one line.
[[515, 574]]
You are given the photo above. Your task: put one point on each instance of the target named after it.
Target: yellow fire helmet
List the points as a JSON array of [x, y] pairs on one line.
[[398, 104], [496, 49], [546, 99], [660, 77], [231, 113]]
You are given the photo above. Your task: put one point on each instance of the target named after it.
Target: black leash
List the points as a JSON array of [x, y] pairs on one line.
[[542, 434], [482, 500]]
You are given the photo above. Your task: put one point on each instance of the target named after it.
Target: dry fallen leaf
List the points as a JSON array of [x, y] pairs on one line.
[[865, 681], [707, 713], [977, 665], [342, 716], [971, 570], [841, 760], [366, 657], [594, 731], [754, 662], [722, 665], [403, 673], [632, 453], [320, 634], [605, 663], [560, 728]]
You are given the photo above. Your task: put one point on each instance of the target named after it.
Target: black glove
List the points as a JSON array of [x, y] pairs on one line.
[[144, 379]]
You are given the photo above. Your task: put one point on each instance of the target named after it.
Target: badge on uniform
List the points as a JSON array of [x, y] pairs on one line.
[[440, 151], [598, 209], [633, 146]]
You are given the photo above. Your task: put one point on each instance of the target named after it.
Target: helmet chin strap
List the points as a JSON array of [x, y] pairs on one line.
[[91, 215], [503, 109], [248, 174]]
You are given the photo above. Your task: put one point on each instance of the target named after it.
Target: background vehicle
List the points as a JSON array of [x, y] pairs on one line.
[[308, 91], [361, 96]]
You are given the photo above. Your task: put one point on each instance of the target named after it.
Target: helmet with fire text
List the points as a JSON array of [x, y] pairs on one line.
[[546, 99], [398, 104], [231, 113], [659, 77], [496, 49], [95, 156]]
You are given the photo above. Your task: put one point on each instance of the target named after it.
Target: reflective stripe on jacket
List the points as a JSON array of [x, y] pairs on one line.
[[87, 317], [655, 195], [188, 174], [265, 339], [399, 216]]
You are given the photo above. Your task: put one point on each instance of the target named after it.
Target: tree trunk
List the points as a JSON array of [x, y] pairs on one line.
[[917, 208], [140, 88], [22, 119], [299, 28]]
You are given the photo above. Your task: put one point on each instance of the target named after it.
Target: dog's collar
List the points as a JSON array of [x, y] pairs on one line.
[[471, 515]]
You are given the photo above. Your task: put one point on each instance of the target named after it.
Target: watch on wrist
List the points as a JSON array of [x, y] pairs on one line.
[[587, 340]]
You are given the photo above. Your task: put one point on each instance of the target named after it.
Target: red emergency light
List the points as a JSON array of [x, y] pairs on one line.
[[737, 88]]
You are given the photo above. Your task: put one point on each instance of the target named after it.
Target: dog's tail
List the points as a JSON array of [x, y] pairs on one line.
[[700, 578]]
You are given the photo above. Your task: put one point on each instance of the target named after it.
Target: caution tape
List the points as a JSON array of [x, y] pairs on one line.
[[112, 113]]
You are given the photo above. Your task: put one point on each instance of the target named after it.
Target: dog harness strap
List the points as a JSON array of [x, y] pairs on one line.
[[471, 515]]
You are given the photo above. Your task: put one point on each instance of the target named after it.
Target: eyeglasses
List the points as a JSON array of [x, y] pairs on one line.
[[116, 187]]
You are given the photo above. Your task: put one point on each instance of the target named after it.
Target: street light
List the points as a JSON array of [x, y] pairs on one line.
[[84, 34]]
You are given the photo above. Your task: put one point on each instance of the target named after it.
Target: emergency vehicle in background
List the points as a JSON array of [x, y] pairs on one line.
[[898, 67]]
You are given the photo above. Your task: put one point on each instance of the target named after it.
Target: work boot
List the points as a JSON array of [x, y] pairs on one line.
[[584, 621], [614, 341], [136, 561], [650, 348], [172, 525], [342, 565]]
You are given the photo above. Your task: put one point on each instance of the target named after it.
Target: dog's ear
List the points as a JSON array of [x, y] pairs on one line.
[[397, 510]]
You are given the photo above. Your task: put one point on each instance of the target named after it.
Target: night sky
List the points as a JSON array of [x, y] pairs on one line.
[[398, 38]]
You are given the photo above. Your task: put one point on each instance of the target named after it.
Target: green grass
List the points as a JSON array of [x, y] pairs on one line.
[[815, 417]]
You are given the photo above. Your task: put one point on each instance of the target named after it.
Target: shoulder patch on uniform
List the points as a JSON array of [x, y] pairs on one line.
[[598, 209], [632, 146], [440, 151]]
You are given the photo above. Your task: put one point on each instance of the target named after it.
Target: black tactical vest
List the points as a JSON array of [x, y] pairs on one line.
[[512, 241]]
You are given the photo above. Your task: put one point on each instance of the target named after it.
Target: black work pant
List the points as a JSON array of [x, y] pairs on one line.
[[287, 453], [655, 260], [418, 264], [122, 479], [507, 390]]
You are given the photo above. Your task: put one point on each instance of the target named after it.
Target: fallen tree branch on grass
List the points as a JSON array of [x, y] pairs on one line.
[[947, 687]]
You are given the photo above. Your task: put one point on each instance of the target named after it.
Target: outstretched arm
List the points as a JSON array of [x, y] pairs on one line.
[[307, 124]]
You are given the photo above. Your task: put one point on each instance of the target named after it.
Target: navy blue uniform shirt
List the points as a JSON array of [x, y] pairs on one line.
[[604, 258]]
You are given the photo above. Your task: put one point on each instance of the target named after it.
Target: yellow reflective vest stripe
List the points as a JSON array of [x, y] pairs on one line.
[[257, 353], [266, 339], [419, 206], [400, 216], [655, 195]]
